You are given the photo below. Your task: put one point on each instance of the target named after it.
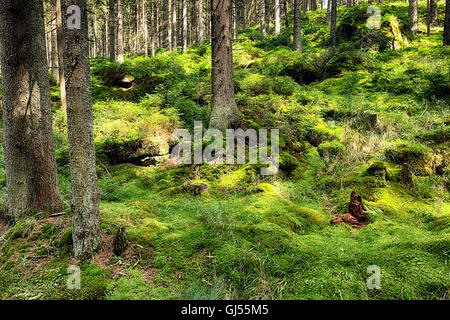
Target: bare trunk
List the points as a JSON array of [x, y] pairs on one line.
[[224, 111], [333, 18], [200, 21], [412, 13], [54, 42], [120, 57], [59, 41], [84, 198], [169, 25], [174, 25], [185, 26], [277, 17], [297, 46], [31, 179], [286, 21], [262, 18], [145, 27], [111, 33]]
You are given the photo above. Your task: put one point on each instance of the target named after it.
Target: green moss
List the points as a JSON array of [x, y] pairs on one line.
[[416, 155]]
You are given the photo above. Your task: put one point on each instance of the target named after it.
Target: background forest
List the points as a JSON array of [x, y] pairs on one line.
[[358, 107]]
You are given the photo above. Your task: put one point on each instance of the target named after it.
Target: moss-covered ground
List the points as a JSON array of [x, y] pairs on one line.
[[349, 118]]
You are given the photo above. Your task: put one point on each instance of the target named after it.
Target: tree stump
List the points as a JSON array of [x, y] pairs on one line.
[[120, 241]]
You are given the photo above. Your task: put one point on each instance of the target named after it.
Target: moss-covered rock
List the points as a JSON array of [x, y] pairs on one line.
[[418, 156]]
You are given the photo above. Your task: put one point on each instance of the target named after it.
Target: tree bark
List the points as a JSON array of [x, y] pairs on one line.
[[169, 25], [333, 18], [31, 178], [84, 198], [412, 13], [54, 42], [224, 111], [185, 26], [59, 41], [111, 32], [262, 19], [277, 17], [174, 25], [120, 51], [286, 22], [447, 24], [200, 22], [145, 27], [297, 45]]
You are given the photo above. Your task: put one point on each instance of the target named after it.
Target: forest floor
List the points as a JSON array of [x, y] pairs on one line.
[[348, 117]]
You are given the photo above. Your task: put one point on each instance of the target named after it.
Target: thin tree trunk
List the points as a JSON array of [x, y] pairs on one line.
[[200, 22], [145, 26], [31, 178], [333, 22], [262, 18], [59, 40], [286, 21], [174, 25], [120, 51], [84, 200], [224, 111], [95, 49], [169, 25], [412, 13], [297, 45], [329, 12], [277, 17], [111, 33], [185, 26], [54, 42]]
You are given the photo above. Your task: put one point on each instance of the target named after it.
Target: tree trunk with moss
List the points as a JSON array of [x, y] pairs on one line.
[[31, 178], [297, 46], [84, 198], [224, 111]]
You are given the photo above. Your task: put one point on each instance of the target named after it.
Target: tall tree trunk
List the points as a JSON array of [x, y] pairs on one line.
[[277, 17], [328, 12], [185, 26], [297, 45], [54, 42], [59, 41], [262, 18], [120, 52], [333, 18], [224, 111], [95, 49], [286, 22], [433, 12], [169, 25], [145, 27], [412, 13], [200, 22], [447, 24], [174, 25], [84, 198], [111, 32], [31, 179]]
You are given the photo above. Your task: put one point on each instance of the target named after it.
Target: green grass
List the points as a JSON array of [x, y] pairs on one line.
[[348, 119]]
